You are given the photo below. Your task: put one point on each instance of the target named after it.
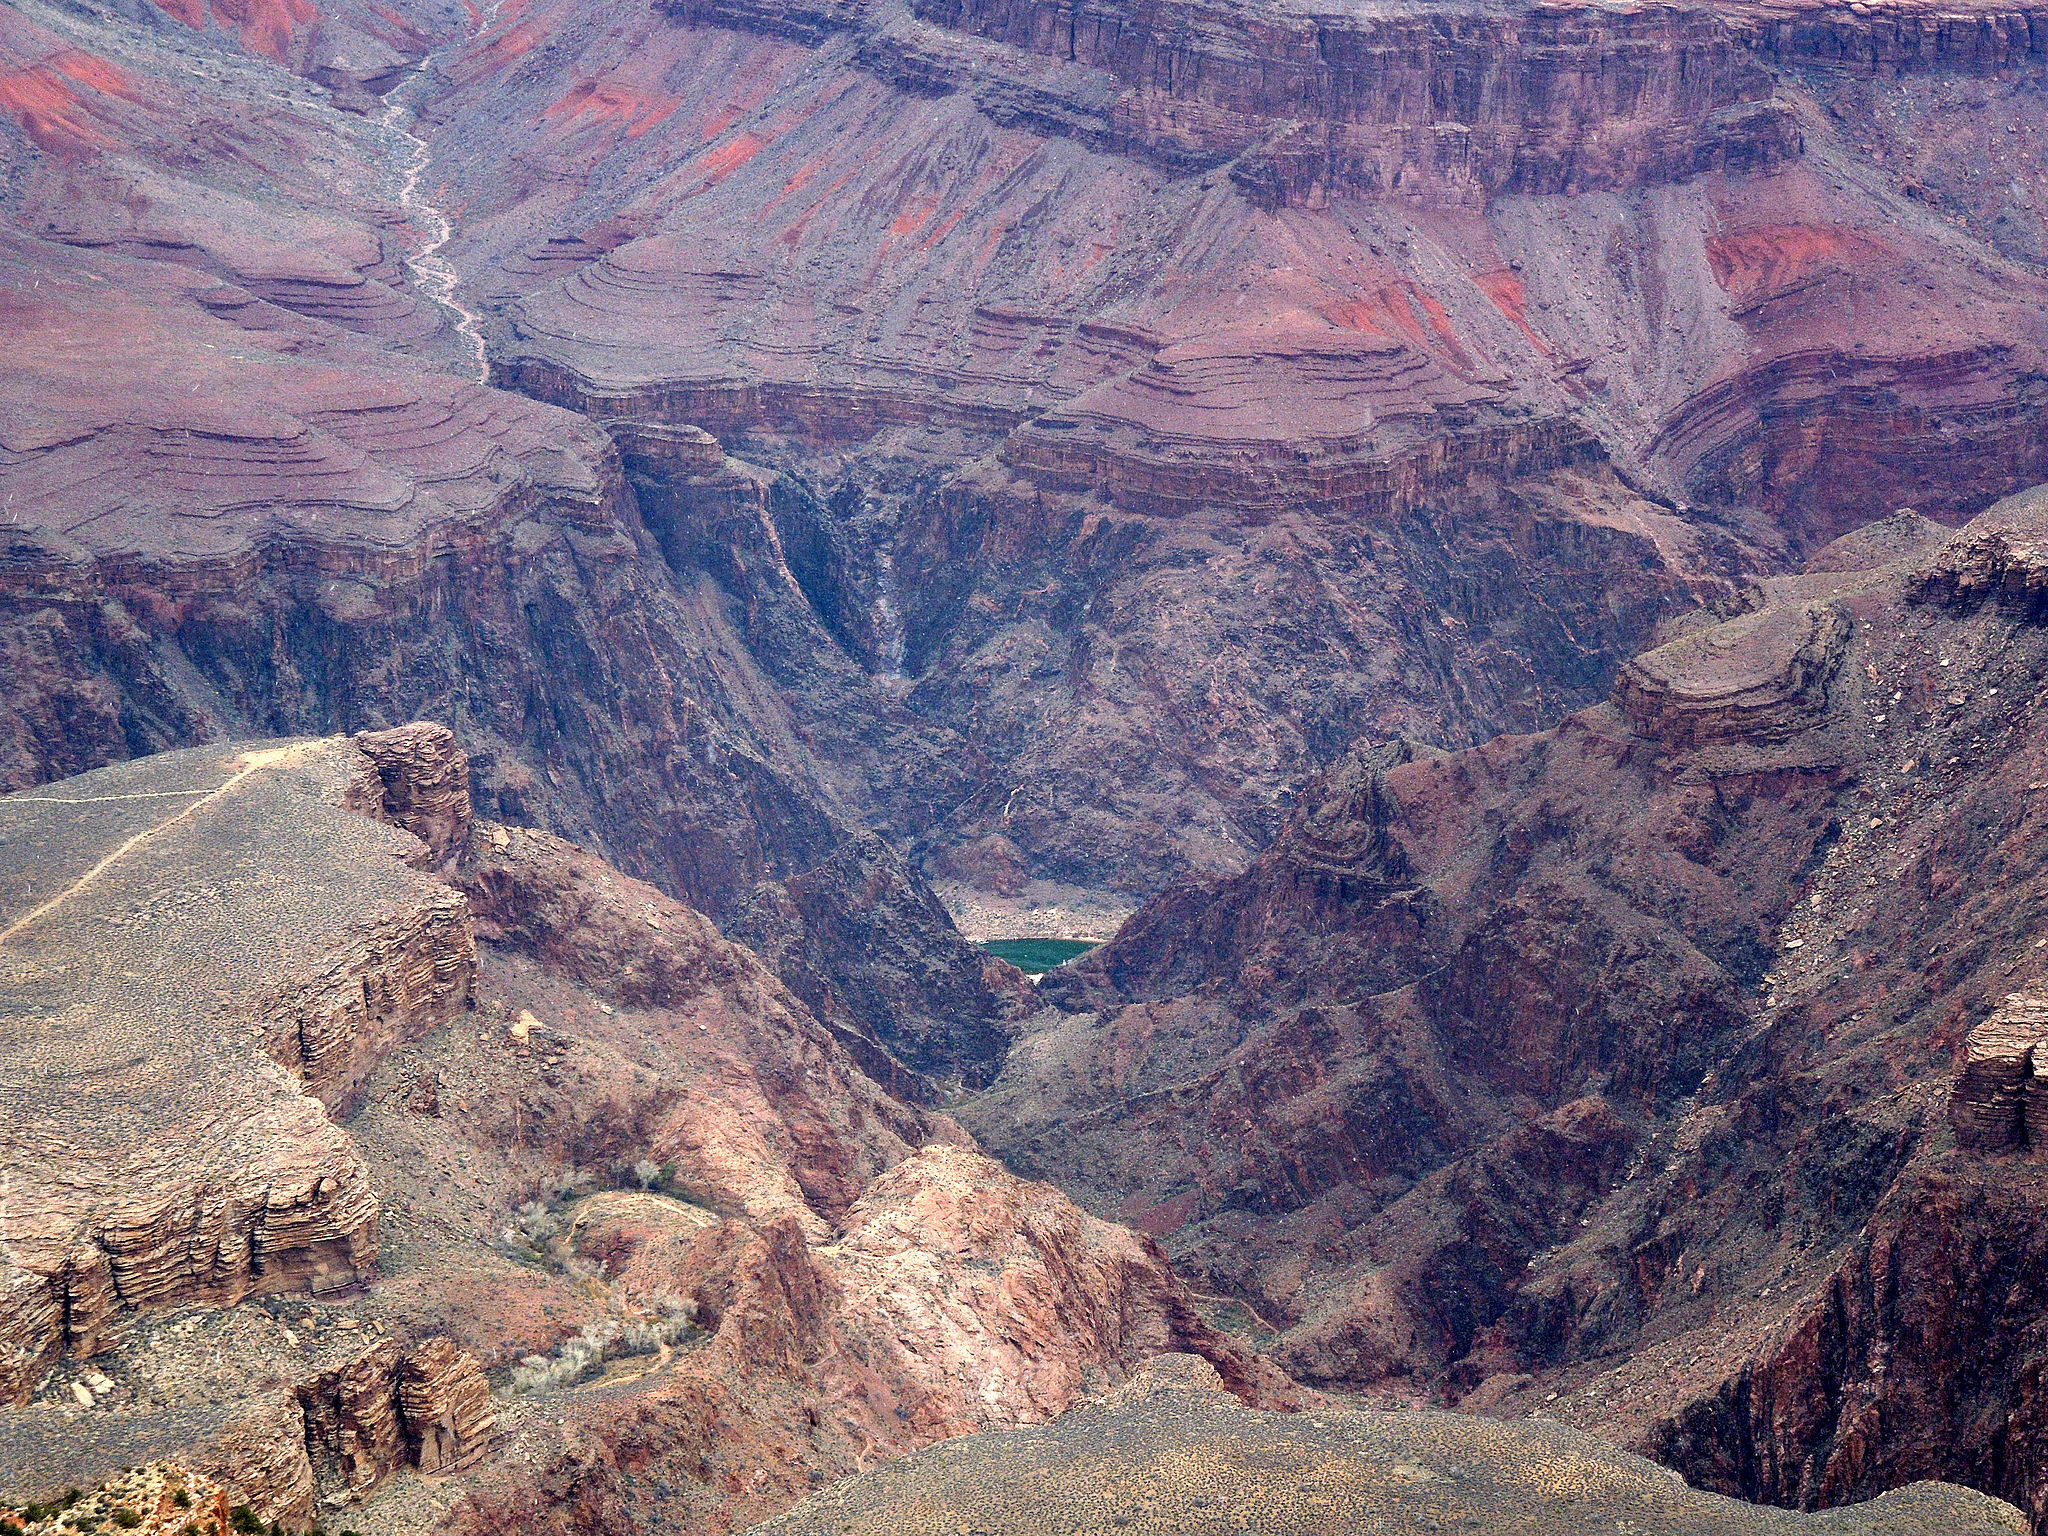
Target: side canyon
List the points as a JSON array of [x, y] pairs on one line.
[[1490, 546]]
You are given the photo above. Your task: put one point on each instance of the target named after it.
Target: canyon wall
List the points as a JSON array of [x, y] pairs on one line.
[[1043, 292], [1668, 1072]]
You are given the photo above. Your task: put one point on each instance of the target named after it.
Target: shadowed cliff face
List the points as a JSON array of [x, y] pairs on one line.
[[1630, 1040]]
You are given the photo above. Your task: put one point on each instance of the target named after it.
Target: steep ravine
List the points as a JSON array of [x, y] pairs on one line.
[[431, 272]]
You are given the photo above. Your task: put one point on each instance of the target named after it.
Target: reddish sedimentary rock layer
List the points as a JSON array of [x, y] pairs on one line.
[[878, 244], [865, 245], [728, 320], [1465, 104], [114, 141]]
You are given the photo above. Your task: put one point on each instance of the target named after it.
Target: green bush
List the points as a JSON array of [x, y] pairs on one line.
[[243, 1519], [127, 1519]]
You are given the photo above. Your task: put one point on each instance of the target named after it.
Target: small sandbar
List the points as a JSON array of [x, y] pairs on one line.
[[1042, 910]]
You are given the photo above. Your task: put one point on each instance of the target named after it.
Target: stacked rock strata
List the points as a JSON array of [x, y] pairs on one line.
[[427, 1407], [276, 990], [2000, 1101], [418, 781], [276, 946]]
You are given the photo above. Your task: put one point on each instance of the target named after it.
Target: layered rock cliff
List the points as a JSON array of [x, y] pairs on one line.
[[1140, 405], [269, 950], [1048, 245], [198, 1164], [434, 1097], [1059, 335]]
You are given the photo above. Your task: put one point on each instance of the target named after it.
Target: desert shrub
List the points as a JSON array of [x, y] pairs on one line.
[[605, 1339]]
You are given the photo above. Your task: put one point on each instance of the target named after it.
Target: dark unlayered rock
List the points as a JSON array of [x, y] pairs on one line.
[[1620, 1062], [856, 937]]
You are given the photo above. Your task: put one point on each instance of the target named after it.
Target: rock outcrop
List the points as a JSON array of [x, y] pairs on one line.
[[271, 948], [419, 783], [1304, 109], [1995, 1089], [2000, 561], [200, 1165], [435, 1097], [1762, 677], [287, 1437], [955, 1298], [768, 1116]]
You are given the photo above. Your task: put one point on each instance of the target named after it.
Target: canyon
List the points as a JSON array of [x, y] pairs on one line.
[[558, 563], [1666, 1072]]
